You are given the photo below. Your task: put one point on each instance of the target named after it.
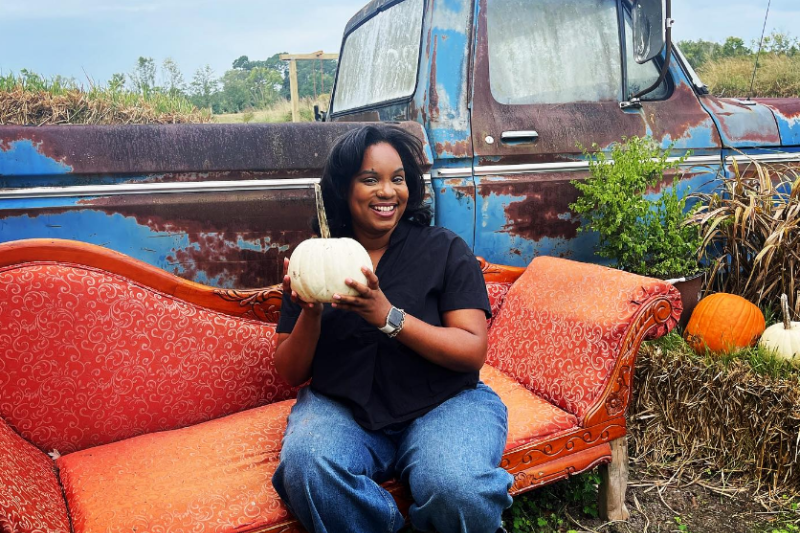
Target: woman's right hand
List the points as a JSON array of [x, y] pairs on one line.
[[313, 308]]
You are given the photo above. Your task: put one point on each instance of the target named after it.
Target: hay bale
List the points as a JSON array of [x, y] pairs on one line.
[[704, 414]]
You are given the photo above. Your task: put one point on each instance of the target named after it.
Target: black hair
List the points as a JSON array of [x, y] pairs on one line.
[[344, 162]]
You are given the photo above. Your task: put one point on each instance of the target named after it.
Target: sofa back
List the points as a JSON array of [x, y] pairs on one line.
[[562, 339], [90, 356]]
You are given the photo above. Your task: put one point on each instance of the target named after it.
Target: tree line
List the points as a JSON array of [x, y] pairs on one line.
[[701, 52], [249, 84]]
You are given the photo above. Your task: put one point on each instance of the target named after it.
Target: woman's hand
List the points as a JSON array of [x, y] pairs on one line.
[[371, 304], [313, 308], [294, 352]]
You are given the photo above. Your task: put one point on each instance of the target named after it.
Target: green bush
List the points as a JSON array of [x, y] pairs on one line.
[[641, 232]]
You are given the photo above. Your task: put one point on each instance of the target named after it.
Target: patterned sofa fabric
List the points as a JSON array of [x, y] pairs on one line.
[[497, 291], [90, 357], [162, 396], [30, 496], [215, 476], [563, 340]]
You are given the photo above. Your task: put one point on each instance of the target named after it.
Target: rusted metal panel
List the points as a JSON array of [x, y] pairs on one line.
[[742, 125], [523, 212], [297, 149], [442, 99], [562, 128], [455, 206], [787, 115], [524, 215], [232, 238], [219, 238]]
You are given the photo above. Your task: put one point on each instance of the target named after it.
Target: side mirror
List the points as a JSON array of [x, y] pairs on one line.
[[648, 29]]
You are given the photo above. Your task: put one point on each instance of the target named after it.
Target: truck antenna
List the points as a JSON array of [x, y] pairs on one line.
[[758, 54]]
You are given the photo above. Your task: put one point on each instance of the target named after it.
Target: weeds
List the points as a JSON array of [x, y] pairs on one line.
[[544, 510], [278, 111], [778, 76], [751, 233], [30, 99]]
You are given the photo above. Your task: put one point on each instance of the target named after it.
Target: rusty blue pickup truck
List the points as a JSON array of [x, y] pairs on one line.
[[503, 93]]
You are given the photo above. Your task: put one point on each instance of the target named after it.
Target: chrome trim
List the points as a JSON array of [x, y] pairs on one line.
[[464, 172], [520, 134], [784, 157], [157, 188], [163, 188], [531, 168], [579, 166]]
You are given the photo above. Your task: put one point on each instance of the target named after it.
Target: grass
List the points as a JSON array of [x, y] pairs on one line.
[[29, 99], [545, 510], [761, 361], [778, 76], [280, 111]]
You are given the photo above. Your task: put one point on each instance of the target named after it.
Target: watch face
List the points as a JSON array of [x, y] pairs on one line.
[[395, 317]]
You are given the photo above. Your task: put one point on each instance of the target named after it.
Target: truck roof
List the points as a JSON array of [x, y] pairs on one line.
[[367, 11]]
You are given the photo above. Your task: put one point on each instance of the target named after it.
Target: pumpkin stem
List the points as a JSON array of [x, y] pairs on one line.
[[324, 229], [787, 320]]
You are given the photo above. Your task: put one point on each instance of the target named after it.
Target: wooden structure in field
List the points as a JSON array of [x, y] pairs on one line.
[[293, 59]]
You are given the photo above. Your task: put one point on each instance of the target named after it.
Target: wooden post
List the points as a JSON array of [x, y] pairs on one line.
[[293, 88], [614, 483]]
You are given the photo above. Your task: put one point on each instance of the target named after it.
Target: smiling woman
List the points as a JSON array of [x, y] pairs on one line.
[[393, 368]]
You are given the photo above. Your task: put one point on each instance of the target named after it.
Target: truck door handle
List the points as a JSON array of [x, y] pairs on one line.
[[520, 136]]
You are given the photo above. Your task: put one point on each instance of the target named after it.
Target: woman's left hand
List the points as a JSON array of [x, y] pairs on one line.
[[371, 304]]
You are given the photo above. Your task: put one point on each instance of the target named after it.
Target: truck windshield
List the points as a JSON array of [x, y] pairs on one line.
[[380, 58]]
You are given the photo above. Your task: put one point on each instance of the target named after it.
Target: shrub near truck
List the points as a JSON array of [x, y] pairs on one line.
[[501, 94]]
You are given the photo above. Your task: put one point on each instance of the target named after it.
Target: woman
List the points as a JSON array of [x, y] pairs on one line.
[[394, 371]]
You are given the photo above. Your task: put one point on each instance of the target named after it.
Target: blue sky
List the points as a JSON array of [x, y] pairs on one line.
[[95, 38]]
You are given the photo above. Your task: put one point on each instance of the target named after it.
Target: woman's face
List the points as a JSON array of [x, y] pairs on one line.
[[378, 192]]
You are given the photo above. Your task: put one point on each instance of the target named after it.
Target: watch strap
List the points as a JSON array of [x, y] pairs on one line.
[[391, 329]]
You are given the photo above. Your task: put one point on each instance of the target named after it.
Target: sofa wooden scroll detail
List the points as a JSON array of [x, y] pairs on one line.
[[160, 409]]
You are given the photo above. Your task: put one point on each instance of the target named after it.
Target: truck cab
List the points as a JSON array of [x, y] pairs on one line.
[[511, 94]]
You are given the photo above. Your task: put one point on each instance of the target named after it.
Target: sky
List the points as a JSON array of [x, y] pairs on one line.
[[90, 40]]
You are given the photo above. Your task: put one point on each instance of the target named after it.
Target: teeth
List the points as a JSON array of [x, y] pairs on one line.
[[384, 208]]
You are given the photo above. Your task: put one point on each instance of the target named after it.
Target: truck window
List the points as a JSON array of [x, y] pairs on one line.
[[380, 58], [554, 51], [642, 76]]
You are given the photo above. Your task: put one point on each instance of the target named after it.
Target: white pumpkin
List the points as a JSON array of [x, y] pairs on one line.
[[318, 268], [783, 338]]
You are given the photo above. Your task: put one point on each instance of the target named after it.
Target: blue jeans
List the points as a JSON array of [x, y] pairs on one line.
[[331, 468]]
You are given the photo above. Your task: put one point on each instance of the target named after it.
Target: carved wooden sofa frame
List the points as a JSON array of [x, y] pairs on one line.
[[649, 308]]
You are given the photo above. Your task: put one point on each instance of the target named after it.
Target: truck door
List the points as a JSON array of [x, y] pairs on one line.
[[549, 76]]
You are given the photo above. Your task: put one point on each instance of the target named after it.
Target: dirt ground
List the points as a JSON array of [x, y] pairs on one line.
[[697, 507]]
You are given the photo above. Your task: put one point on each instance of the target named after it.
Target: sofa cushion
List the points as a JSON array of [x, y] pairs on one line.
[[90, 357], [529, 417], [216, 476], [561, 340], [212, 477], [30, 496]]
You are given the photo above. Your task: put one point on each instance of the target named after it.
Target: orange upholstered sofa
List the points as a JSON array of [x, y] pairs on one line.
[[133, 400]]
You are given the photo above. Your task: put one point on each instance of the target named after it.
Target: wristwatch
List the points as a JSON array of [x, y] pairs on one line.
[[394, 322]]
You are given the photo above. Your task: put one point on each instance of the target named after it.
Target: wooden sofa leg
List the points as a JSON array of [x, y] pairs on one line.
[[614, 482]]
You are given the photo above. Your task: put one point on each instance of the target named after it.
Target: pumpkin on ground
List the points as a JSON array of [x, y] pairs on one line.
[[724, 323], [783, 338], [318, 267]]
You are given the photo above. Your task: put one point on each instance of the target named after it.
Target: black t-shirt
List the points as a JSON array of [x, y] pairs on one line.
[[424, 271]]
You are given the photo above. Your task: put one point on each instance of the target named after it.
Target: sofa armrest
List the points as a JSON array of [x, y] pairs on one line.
[[30, 495], [570, 333]]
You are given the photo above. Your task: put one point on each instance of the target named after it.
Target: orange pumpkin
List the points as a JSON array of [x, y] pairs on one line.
[[724, 323]]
